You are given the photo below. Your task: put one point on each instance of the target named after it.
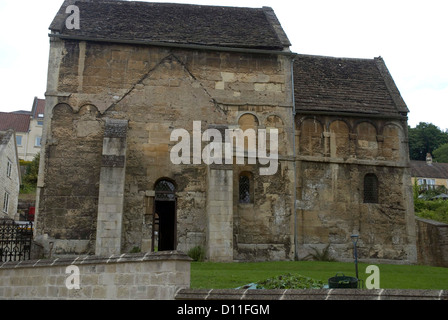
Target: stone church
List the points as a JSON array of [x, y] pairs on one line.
[[130, 73]]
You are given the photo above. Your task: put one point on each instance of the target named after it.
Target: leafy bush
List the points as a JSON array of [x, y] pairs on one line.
[[323, 255], [426, 208], [197, 253], [29, 181], [290, 281], [433, 209], [135, 250]]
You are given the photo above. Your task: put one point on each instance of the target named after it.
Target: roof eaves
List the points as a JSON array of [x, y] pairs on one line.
[[273, 51]]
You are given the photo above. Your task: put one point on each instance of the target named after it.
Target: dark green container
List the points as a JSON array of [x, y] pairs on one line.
[[342, 281]]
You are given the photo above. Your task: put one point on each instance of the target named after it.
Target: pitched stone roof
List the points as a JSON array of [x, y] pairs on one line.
[[435, 170], [345, 85], [175, 23], [19, 122]]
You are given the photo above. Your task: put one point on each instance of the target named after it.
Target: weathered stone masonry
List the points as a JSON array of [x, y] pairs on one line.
[[148, 144], [329, 140]]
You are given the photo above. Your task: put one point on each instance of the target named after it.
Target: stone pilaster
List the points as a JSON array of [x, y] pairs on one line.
[[111, 194], [220, 214]]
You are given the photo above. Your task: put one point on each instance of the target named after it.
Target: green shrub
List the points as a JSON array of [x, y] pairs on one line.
[[290, 281], [432, 209], [29, 181], [197, 253], [135, 250], [323, 255]]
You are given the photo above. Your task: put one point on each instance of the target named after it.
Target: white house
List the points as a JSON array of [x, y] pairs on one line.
[[9, 175]]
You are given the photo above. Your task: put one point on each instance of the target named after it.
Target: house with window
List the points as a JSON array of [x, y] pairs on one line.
[[429, 175], [9, 175], [28, 126], [120, 86]]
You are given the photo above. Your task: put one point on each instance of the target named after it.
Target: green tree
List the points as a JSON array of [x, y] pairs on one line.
[[29, 181], [425, 138], [441, 153]]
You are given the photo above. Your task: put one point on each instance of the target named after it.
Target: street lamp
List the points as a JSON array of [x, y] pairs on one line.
[[355, 251]]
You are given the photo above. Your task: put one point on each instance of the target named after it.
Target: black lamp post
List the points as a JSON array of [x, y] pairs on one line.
[[355, 251]]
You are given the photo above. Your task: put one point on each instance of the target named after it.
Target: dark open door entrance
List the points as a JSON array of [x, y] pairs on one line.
[[164, 224]]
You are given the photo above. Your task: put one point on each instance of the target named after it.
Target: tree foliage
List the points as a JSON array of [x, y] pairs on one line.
[[29, 181], [441, 153], [425, 138]]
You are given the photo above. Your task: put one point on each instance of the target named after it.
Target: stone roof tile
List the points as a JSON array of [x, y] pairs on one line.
[[345, 85], [175, 23]]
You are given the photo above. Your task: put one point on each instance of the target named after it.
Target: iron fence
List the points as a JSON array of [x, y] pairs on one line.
[[15, 240]]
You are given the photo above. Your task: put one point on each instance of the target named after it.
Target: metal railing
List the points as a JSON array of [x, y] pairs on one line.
[[15, 240]]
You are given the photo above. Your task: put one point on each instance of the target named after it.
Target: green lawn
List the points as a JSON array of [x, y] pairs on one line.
[[232, 275]]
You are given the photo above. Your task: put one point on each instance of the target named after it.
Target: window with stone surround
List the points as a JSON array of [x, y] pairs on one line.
[[6, 202], [245, 187], [8, 168], [370, 188]]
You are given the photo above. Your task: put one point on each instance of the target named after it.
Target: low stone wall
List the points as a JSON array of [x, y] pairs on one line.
[[432, 242], [146, 276], [311, 294]]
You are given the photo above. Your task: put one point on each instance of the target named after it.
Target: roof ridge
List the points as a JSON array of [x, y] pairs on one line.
[[334, 57]]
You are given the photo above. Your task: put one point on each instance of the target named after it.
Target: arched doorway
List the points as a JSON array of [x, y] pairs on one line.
[[164, 224]]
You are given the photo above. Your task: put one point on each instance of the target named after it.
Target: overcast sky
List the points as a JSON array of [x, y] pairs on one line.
[[411, 36]]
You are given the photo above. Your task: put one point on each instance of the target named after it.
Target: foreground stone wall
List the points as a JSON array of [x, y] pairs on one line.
[[149, 276], [311, 294], [432, 242]]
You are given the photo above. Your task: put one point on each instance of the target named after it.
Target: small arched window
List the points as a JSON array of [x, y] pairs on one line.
[[245, 187], [370, 188], [165, 190]]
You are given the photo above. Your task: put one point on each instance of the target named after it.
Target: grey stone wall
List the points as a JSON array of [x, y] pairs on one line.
[[311, 294], [432, 242], [148, 276]]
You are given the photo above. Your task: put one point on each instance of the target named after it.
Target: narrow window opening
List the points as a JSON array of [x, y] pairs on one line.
[[370, 188], [245, 188]]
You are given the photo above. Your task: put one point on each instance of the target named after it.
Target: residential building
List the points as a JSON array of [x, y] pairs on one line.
[[9, 175], [28, 126], [428, 174]]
